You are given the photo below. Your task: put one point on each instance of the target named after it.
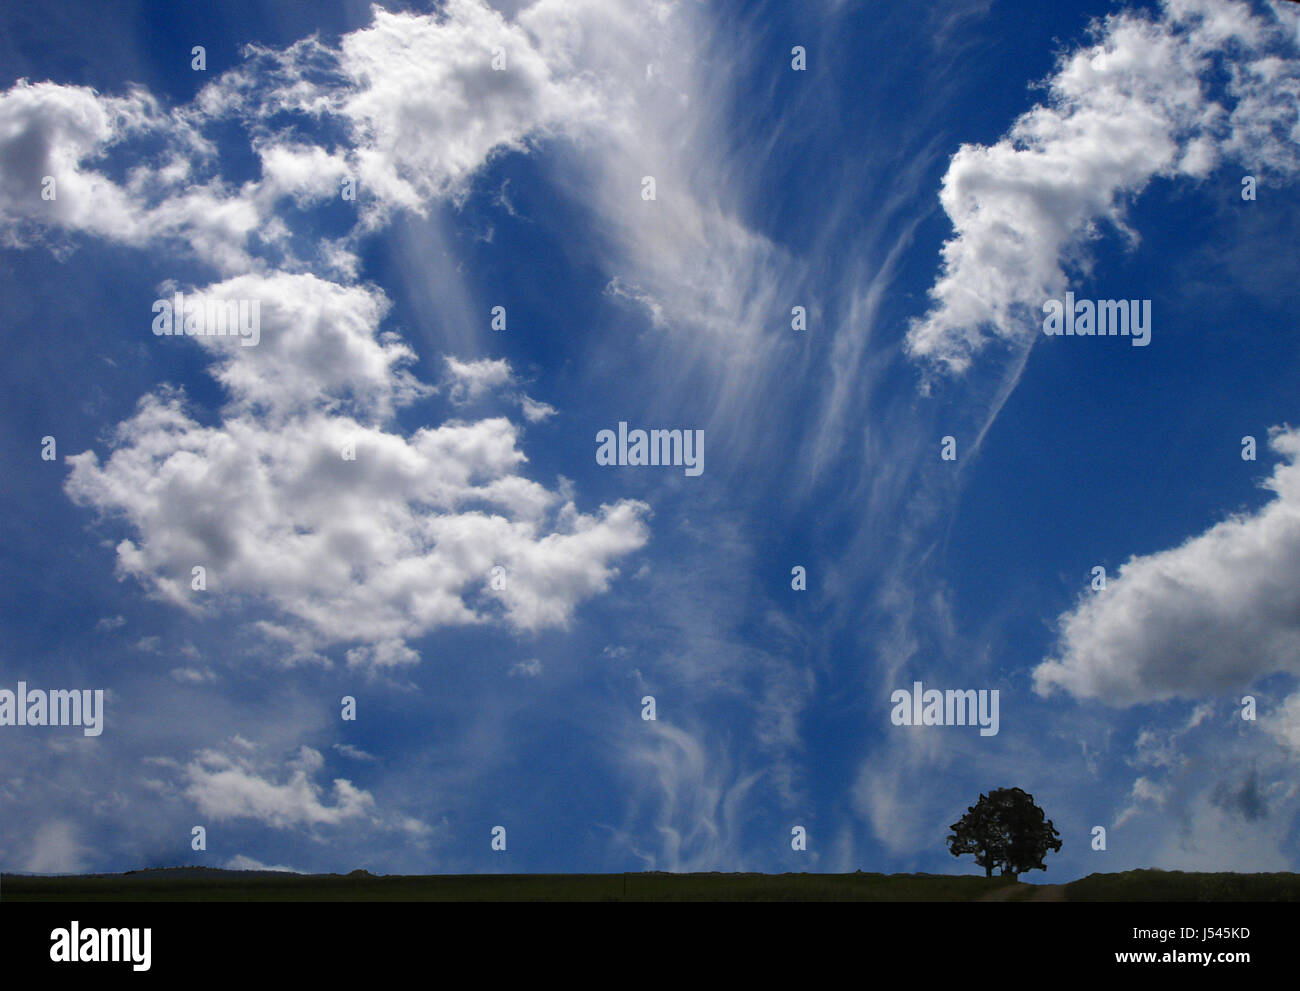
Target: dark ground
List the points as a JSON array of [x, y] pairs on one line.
[[198, 884]]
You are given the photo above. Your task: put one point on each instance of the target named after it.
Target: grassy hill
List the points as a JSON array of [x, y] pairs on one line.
[[205, 884]]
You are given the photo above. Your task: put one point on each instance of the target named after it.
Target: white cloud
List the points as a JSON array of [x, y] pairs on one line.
[[1208, 617], [225, 787], [1225, 803], [386, 653], [52, 130], [373, 550], [61, 131], [419, 111], [317, 341], [1283, 724], [690, 799], [1217, 837], [1127, 109], [417, 97], [395, 543], [535, 411], [305, 173], [472, 379], [418, 103], [717, 291], [1145, 792], [428, 105]]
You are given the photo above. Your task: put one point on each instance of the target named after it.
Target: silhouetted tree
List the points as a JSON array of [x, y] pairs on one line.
[[1005, 829]]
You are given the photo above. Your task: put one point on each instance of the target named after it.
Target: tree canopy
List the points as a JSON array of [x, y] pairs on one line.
[[1005, 829]]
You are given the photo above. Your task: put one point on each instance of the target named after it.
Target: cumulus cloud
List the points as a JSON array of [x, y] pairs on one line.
[[1208, 617], [413, 108], [1132, 106], [535, 411], [416, 97], [468, 381], [64, 132], [430, 105], [380, 549], [48, 130], [317, 347], [302, 499], [400, 538], [389, 545], [413, 99], [472, 379], [230, 787]]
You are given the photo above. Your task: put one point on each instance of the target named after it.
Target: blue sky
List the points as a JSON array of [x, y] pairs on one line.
[[928, 181]]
